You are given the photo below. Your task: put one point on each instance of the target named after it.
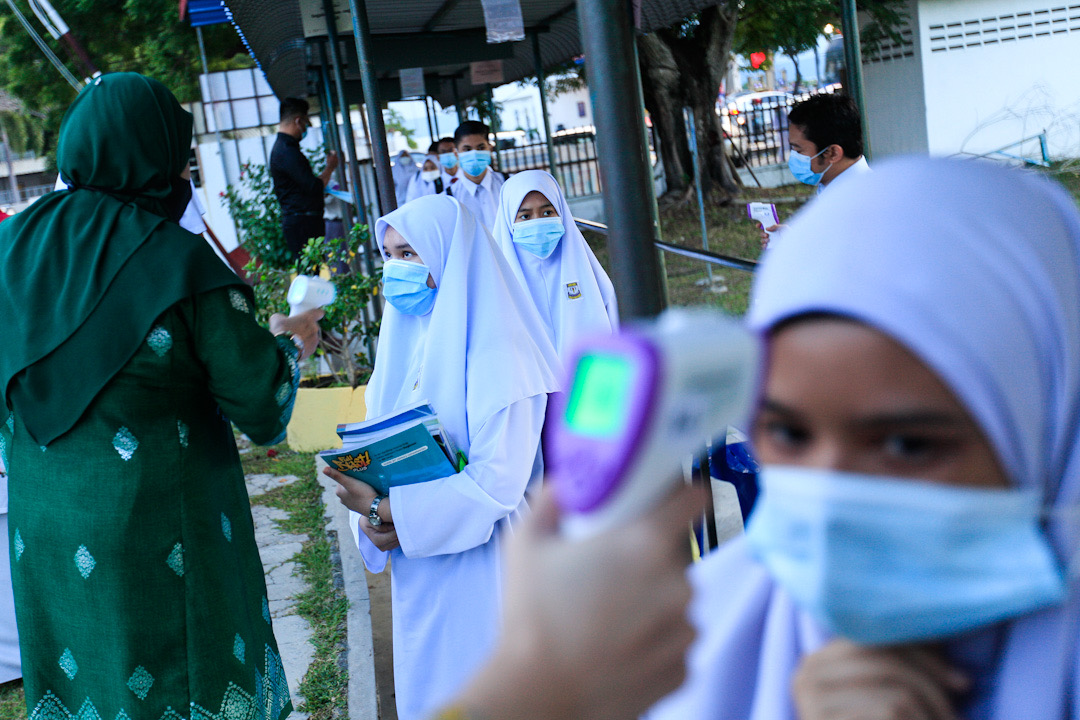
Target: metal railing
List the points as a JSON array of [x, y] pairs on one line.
[[24, 194], [756, 125], [575, 154], [703, 255]]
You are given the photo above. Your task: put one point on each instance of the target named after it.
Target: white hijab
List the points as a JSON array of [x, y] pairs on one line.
[[570, 288], [976, 270], [481, 348]]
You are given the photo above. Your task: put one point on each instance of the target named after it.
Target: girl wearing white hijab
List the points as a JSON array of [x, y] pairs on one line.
[[920, 432], [460, 332], [431, 180], [550, 257]]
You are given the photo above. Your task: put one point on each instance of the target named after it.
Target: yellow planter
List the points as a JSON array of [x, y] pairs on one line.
[[317, 413]]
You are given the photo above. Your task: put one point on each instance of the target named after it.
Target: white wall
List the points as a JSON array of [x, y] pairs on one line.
[[982, 95], [565, 111], [894, 96]]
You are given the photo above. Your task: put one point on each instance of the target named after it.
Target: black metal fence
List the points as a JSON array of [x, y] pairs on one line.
[[575, 154], [756, 125]]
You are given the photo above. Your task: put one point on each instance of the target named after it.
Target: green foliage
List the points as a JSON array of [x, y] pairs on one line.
[[346, 332], [24, 132], [793, 26], [394, 122], [145, 36]]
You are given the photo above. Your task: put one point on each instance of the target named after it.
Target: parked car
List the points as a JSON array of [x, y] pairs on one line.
[[755, 113]]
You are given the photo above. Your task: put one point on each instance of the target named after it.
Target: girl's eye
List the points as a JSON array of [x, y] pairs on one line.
[[549, 213], [910, 447], [784, 434]]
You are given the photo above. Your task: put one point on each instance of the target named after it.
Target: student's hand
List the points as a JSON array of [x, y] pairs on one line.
[[304, 326], [767, 231], [593, 629], [331, 160], [845, 681], [357, 496]]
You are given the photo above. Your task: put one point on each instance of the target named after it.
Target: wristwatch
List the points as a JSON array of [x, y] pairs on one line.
[[373, 511]]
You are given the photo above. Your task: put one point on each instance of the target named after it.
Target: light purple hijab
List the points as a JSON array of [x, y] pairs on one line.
[[976, 270]]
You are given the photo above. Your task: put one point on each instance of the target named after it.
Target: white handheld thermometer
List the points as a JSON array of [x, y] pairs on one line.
[[638, 404], [308, 292]]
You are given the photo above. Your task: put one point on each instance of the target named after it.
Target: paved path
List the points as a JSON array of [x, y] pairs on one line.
[[277, 549]]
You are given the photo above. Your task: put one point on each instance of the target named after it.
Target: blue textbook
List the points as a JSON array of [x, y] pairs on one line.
[[405, 447]]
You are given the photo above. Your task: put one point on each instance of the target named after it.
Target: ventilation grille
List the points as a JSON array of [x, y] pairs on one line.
[[1004, 29], [892, 50]]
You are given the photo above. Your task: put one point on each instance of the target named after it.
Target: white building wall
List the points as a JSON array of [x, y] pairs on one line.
[[997, 71], [894, 93], [566, 110]]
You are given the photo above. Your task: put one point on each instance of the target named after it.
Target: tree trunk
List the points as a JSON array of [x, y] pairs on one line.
[[686, 70]]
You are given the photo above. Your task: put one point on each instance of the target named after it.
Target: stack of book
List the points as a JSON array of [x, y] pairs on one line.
[[407, 446]]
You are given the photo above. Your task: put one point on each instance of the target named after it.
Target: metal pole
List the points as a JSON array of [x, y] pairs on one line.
[[331, 116], [541, 81], [849, 21], [457, 103], [384, 180], [435, 117], [607, 36], [217, 128], [691, 132], [346, 121], [427, 114]]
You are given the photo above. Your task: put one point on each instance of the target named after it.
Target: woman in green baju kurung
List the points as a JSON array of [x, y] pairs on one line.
[[127, 348]]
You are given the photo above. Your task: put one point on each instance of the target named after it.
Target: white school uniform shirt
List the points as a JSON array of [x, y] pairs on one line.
[[572, 292], [481, 199], [859, 167], [483, 360]]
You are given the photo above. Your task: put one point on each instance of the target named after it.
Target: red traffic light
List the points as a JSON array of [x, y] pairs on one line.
[[757, 59]]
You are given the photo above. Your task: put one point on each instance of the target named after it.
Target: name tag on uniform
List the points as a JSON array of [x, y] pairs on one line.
[[573, 292]]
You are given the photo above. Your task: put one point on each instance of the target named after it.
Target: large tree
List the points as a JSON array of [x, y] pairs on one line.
[[683, 66], [145, 36]]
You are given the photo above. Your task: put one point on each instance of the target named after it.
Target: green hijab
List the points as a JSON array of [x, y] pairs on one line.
[[84, 273]]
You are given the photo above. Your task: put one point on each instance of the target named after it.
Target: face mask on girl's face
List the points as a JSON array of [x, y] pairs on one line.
[[405, 287], [475, 162], [799, 165], [887, 560], [539, 236], [430, 175]]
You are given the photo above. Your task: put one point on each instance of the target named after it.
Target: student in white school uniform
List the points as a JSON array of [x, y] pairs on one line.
[[460, 332], [477, 185], [431, 180], [403, 170], [550, 257]]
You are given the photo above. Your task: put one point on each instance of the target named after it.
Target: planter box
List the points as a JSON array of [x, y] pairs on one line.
[[317, 413]]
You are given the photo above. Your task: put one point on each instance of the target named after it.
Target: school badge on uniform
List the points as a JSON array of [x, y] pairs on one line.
[[573, 292]]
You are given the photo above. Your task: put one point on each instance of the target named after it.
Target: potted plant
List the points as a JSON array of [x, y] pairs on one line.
[[333, 383]]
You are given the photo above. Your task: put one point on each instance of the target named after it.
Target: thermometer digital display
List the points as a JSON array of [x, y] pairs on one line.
[[639, 403]]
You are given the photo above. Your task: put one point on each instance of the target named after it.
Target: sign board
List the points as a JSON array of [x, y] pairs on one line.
[[412, 82], [487, 72], [503, 20], [313, 17]]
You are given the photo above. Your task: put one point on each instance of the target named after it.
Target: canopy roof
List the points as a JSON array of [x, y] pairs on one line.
[[441, 36]]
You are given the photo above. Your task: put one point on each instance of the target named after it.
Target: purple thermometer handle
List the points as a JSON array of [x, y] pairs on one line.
[[587, 471]]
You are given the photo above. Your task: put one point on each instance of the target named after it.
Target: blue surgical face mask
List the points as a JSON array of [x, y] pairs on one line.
[[886, 560], [475, 162], [799, 165], [448, 160], [539, 236], [405, 287]]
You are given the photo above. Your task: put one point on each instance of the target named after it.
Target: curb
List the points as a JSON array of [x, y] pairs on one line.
[[360, 655]]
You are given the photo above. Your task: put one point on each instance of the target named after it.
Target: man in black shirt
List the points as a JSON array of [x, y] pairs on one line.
[[298, 189]]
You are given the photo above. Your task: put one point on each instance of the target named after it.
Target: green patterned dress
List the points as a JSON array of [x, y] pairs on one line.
[[138, 586]]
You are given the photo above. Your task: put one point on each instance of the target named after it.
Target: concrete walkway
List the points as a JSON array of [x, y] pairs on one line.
[[283, 585]]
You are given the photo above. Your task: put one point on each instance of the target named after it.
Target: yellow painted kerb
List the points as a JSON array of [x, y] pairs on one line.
[[317, 413]]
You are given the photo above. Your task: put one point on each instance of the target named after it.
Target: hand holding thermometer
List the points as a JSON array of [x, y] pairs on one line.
[[308, 292], [638, 404]]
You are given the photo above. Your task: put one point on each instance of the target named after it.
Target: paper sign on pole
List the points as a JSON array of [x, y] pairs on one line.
[[503, 20], [487, 72], [412, 82]]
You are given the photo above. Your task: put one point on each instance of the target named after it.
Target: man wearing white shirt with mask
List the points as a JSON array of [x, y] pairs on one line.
[[826, 141], [477, 185]]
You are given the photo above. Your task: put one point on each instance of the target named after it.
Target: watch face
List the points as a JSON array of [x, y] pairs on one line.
[[374, 519]]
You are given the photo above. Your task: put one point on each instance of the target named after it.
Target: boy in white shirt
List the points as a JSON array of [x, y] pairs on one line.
[[477, 185]]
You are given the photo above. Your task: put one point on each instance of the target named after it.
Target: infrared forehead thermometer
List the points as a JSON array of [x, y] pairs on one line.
[[638, 404], [308, 292]]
